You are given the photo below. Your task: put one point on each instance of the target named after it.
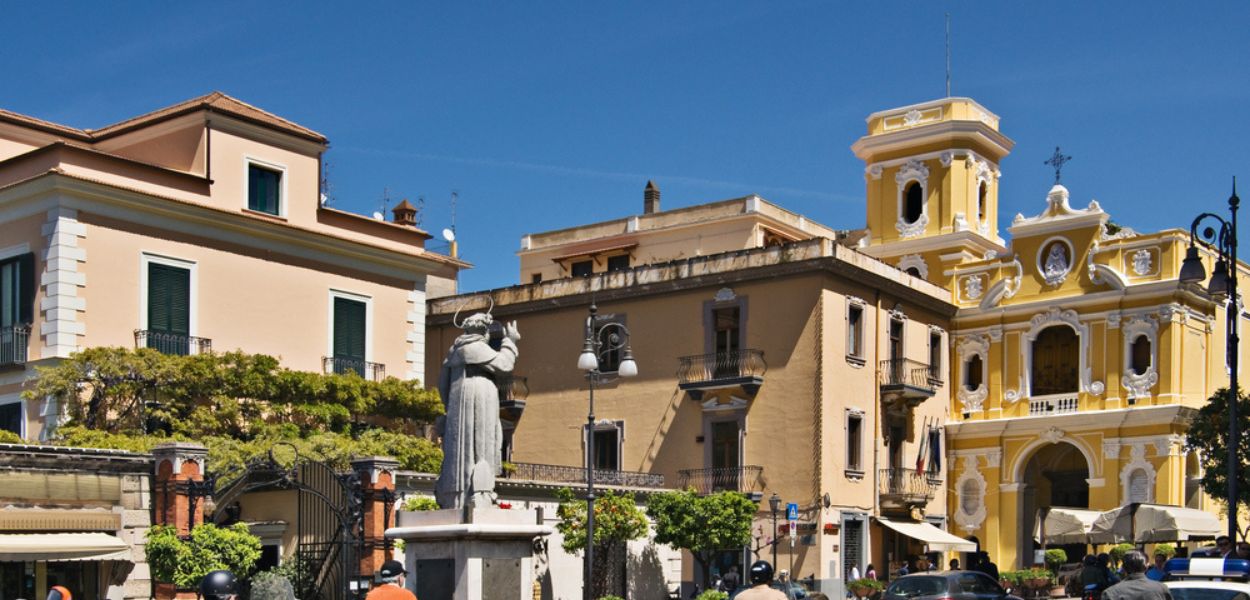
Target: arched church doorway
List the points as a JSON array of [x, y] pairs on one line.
[[1056, 475]]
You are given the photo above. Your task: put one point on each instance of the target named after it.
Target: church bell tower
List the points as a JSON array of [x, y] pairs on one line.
[[932, 174]]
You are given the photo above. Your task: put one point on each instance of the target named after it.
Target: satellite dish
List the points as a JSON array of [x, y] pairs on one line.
[[378, 216], [449, 235]]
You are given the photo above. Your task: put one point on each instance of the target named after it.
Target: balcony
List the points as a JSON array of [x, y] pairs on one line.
[[567, 474], [901, 490], [13, 343], [167, 342], [905, 383], [340, 365], [746, 479], [1053, 404], [740, 368]]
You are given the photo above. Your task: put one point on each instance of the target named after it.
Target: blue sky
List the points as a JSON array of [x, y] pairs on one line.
[[549, 115]]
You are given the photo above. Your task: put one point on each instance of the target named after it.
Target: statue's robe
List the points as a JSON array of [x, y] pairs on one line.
[[472, 435]]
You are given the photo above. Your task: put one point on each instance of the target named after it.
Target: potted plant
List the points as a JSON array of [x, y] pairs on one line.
[[1117, 553], [1055, 558], [865, 587]]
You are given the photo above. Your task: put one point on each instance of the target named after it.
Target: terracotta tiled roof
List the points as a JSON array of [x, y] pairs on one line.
[[215, 101]]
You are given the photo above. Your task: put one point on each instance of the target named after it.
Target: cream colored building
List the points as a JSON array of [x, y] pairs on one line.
[[193, 227], [772, 359], [1078, 358]]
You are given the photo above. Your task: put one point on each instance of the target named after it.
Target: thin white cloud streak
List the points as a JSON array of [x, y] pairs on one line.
[[738, 187]]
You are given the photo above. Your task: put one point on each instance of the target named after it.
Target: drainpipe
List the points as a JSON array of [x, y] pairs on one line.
[[876, 361]]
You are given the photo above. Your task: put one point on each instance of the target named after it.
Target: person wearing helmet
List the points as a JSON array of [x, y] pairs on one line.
[[392, 586], [761, 576], [59, 592], [219, 585]]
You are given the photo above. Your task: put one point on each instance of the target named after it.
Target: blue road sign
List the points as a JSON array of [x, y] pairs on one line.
[[792, 512]]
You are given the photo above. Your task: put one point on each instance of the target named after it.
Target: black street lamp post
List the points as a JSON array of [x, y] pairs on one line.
[[1223, 283], [774, 502], [600, 342]]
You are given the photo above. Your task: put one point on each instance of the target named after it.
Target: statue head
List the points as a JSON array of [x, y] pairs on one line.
[[477, 323]]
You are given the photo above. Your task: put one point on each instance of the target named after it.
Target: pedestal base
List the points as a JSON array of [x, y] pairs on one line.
[[472, 554]]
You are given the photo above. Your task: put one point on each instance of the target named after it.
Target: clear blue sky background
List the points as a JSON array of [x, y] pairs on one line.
[[546, 116]]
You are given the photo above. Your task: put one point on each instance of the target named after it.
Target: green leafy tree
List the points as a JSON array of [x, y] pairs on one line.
[[239, 405], [617, 519], [703, 525], [1209, 433], [184, 562]]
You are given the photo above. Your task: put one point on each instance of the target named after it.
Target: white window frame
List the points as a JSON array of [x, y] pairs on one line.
[[853, 303], [368, 300], [248, 161], [16, 398], [856, 471], [193, 304], [617, 425]]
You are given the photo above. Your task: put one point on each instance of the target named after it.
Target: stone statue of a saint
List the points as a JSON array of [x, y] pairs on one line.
[[1056, 261], [472, 434]]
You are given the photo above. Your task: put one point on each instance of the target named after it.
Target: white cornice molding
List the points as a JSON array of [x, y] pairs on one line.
[[941, 132], [967, 239], [1077, 422], [52, 190]]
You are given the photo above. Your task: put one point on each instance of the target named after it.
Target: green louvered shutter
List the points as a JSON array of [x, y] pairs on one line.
[[169, 308], [349, 335]]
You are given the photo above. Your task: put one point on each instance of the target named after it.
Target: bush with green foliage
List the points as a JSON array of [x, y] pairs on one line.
[[183, 562], [865, 584], [712, 595], [1167, 550], [1117, 553], [703, 525], [1055, 558], [271, 585], [8, 437], [420, 503], [238, 405]]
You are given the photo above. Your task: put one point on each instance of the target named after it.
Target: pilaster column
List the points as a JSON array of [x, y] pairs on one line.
[[179, 467], [377, 491]]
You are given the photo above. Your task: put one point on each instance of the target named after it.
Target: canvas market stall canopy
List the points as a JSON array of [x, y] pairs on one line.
[[62, 547], [936, 539], [1064, 525], [1149, 523]]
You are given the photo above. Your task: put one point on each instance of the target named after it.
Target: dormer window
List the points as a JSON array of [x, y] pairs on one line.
[[264, 188]]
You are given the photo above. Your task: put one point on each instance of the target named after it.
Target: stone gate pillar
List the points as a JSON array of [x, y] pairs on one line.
[[377, 487], [177, 496], [180, 466]]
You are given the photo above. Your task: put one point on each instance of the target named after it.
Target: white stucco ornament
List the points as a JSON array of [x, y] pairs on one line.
[[1056, 263], [1142, 262], [972, 287]]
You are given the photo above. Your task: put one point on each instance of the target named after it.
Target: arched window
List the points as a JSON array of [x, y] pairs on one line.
[[1140, 360], [1138, 486], [973, 375], [1193, 480], [913, 271], [982, 192], [1056, 361], [913, 202], [970, 497]]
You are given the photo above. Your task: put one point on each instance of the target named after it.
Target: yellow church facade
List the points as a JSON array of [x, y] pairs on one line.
[[1078, 358]]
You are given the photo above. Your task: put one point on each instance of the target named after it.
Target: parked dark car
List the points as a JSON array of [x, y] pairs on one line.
[[952, 585]]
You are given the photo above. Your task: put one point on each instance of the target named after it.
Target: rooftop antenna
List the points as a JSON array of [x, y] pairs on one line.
[[948, 55], [454, 197], [449, 233], [386, 203]]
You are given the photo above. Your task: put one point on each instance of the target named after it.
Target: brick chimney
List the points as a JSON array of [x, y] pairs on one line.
[[405, 213], [651, 198]]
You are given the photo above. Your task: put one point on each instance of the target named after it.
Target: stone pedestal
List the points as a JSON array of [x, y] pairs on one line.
[[470, 554]]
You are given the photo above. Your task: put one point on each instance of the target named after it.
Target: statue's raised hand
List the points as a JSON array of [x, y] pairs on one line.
[[510, 330]]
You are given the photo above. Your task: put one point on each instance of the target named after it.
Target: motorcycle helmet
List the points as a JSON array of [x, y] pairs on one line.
[[761, 572], [219, 585]]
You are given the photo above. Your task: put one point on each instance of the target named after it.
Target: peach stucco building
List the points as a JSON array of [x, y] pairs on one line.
[[196, 226]]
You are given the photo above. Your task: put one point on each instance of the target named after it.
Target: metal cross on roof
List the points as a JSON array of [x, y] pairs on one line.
[[1057, 161]]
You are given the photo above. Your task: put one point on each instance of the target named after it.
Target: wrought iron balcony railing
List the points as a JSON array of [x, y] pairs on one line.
[[746, 479], [567, 474], [1054, 404], [167, 342], [13, 344], [721, 368], [341, 365], [904, 372], [907, 485]]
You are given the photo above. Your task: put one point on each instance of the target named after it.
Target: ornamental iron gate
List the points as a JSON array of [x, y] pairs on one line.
[[329, 534]]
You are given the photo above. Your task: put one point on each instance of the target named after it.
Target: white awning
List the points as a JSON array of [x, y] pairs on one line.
[[1063, 525], [56, 547], [1150, 523], [936, 539]]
